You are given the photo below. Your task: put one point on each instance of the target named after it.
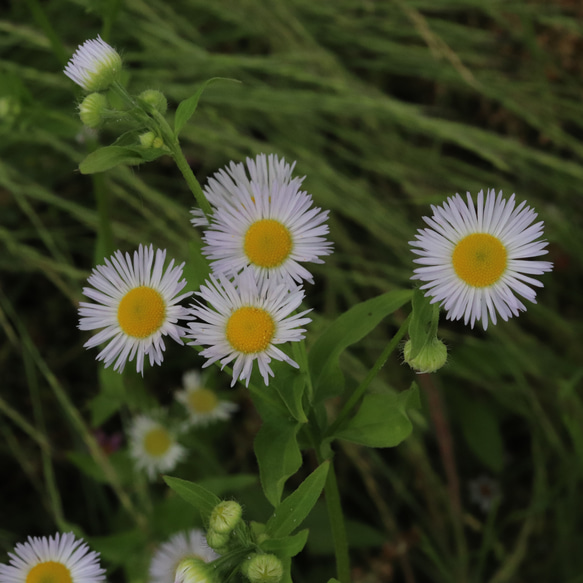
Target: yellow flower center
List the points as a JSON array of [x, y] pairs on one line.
[[49, 572], [202, 401], [157, 442], [268, 243], [250, 330], [141, 312], [479, 259]]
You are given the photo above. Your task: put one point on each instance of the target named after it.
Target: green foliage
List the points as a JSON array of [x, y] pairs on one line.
[[201, 498]]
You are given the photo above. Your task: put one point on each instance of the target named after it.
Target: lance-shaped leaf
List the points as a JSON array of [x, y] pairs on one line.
[[288, 546], [110, 157], [203, 500], [423, 324]]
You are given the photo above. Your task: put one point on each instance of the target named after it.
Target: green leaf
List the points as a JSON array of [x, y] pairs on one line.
[[186, 108], [423, 324], [109, 157], [203, 500], [289, 383], [197, 268], [224, 484], [291, 512], [288, 546], [349, 328], [110, 398], [278, 455], [116, 548], [382, 419]]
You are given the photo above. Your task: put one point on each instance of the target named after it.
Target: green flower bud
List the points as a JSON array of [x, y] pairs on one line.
[[260, 568], [217, 541], [225, 517], [194, 570], [156, 99], [431, 358], [92, 108]]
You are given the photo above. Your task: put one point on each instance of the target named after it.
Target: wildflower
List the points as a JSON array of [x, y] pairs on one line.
[[109, 443], [268, 225], [58, 559], [137, 304], [476, 257], [153, 446], [194, 571], [430, 359], [245, 321], [484, 491], [183, 545], [202, 404], [92, 108], [95, 65]]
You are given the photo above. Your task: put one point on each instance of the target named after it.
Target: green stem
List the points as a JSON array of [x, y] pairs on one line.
[[355, 397]]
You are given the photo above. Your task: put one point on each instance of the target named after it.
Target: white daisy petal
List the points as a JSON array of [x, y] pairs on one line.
[[58, 559], [475, 258], [137, 305], [243, 321]]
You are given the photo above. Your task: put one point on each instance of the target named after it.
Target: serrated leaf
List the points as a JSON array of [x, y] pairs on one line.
[[291, 512], [382, 419], [288, 546], [203, 500], [347, 329], [278, 455], [186, 108], [109, 157]]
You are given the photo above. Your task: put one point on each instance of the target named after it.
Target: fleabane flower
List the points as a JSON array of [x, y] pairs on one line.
[[153, 446], [202, 404], [183, 545], [268, 225], [56, 559], [263, 170], [244, 322], [136, 305], [476, 257], [95, 65]]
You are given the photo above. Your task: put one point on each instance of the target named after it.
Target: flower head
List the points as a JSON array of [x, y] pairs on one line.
[[476, 257], [153, 446], [266, 224], [183, 545], [202, 404], [58, 559], [136, 304], [245, 321], [484, 491], [95, 65]]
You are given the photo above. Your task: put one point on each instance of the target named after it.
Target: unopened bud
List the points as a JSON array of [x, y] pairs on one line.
[[92, 108], [262, 568], [218, 541], [156, 99], [431, 357], [194, 570], [225, 517]]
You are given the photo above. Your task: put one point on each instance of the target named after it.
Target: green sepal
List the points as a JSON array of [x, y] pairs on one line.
[[203, 500], [288, 546], [382, 419], [423, 323], [288, 515]]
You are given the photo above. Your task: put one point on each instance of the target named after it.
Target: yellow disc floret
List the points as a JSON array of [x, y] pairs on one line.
[[250, 330], [141, 312], [480, 259], [268, 243], [202, 401], [157, 442], [49, 572]]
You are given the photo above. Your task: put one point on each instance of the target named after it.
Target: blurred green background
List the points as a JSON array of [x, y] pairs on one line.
[[387, 107]]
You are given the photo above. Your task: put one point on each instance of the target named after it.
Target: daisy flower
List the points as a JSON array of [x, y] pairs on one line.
[[153, 446], [183, 545], [268, 170], [202, 404], [136, 304], [267, 224], [483, 492], [244, 322], [95, 65], [476, 257], [58, 559]]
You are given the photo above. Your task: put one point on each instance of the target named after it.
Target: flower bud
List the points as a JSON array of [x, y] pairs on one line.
[[194, 570], [262, 568], [218, 541], [156, 99], [431, 358], [225, 517], [92, 108]]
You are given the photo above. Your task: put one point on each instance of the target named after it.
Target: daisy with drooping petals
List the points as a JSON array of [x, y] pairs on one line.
[[153, 446], [245, 321], [475, 257], [270, 226], [58, 559], [183, 545], [264, 170], [94, 66], [137, 304], [202, 404]]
